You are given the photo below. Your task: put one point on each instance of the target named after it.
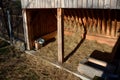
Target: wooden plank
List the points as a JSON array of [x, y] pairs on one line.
[[44, 4], [98, 62], [66, 2], [49, 4], [56, 3], [113, 4], [118, 29], [80, 3], [109, 23], [71, 3], [53, 3], [84, 3], [90, 3], [118, 4], [60, 35], [101, 3], [59, 4], [102, 39], [75, 3], [63, 4], [103, 22], [25, 26], [89, 71], [107, 4], [95, 4]]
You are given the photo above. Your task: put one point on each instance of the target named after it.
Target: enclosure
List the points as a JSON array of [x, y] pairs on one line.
[[73, 30]]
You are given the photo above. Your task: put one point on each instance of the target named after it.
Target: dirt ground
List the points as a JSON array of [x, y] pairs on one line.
[[16, 65]]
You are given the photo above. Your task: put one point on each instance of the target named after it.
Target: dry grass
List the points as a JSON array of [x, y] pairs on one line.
[[16, 65], [84, 49]]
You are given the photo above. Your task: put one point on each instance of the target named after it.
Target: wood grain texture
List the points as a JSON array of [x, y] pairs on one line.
[[80, 3], [107, 4], [95, 4], [84, 4], [90, 3], [113, 4], [60, 35]]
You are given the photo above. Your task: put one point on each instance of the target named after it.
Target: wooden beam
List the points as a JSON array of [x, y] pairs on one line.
[[60, 35], [25, 26]]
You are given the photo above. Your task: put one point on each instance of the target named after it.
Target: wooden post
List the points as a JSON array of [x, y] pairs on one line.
[[60, 35], [25, 26]]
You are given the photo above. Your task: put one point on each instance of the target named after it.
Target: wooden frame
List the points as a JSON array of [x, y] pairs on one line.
[[60, 29], [25, 26]]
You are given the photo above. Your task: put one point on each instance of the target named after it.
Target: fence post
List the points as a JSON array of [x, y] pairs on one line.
[[60, 29]]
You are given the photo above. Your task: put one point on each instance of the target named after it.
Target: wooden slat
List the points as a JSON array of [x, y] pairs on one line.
[[107, 4], [66, 3], [25, 26], [56, 3], [103, 22], [101, 3], [109, 24], [71, 3], [113, 4], [95, 4], [62, 3], [53, 3], [80, 3], [89, 71], [117, 29], [59, 5], [118, 4], [49, 3], [60, 35], [75, 3], [84, 3], [90, 3]]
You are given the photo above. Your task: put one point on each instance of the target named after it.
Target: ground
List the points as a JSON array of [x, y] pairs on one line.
[[16, 65]]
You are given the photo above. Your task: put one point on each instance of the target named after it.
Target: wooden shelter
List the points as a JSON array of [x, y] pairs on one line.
[[41, 18], [47, 11]]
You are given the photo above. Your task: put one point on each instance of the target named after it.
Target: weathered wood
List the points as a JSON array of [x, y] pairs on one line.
[[101, 3], [107, 4], [113, 4], [80, 3], [95, 4], [84, 3], [89, 71], [71, 3], [56, 3], [109, 24], [66, 3], [118, 4], [101, 39], [75, 3], [60, 35], [90, 3], [98, 62], [25, 26]]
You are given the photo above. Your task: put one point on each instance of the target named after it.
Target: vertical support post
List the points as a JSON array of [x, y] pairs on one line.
[[25, 26], [60, 29]]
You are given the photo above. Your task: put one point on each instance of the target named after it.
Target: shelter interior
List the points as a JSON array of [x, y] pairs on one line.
[[79, 27]]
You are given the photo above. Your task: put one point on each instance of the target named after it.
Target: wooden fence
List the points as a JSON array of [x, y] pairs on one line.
[[97, 21]]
